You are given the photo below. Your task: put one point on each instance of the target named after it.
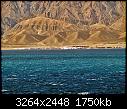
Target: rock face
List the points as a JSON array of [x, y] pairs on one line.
[[62, 22]]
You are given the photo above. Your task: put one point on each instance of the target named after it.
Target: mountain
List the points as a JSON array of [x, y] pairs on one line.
[[40, 30], [120, 24], [61, 23]]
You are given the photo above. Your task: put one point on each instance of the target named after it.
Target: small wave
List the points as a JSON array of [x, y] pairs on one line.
[[76, 84], [68, 92], [101, 82], [91, 79], [83, 93], [31, 75], [54, 84], [14, 75], [35, 92], [121, 71], [10, 78], [4, 90], [49, 83]]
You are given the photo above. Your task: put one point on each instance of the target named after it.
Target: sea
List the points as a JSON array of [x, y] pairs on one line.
[[77, 71]]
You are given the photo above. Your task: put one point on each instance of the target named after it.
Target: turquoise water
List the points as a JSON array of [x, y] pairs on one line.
[[98, 71]]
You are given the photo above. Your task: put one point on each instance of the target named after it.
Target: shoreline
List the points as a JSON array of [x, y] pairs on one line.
[[30, 48], [65, 47]]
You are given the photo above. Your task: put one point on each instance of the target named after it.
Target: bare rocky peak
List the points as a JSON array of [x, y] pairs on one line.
[[80, 13]]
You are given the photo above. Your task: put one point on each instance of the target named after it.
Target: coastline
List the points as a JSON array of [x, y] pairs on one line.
[[65, 47], [61, 48]]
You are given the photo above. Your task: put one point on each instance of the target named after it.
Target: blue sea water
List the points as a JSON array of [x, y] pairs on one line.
[[93, 71]]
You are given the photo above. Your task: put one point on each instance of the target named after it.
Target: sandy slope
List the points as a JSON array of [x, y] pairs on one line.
[[40, 31]]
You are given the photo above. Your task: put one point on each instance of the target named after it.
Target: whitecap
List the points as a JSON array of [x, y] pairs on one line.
[[121, 71], [4, 90], [50, 83], [83, 93], [10, 78], [35, 92], [91, 79], [54, 84]]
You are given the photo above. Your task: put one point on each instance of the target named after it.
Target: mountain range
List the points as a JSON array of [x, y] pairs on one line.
[[61, 23]]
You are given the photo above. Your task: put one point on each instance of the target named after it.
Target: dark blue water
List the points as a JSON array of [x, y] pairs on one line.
[[100, 71]]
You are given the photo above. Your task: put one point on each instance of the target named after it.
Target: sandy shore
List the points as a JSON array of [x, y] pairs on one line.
[[95, 46]]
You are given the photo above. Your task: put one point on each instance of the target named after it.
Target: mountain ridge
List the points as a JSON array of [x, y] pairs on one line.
[[62, 23]]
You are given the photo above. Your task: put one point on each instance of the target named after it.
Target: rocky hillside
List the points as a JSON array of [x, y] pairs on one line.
[[62, 22]]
